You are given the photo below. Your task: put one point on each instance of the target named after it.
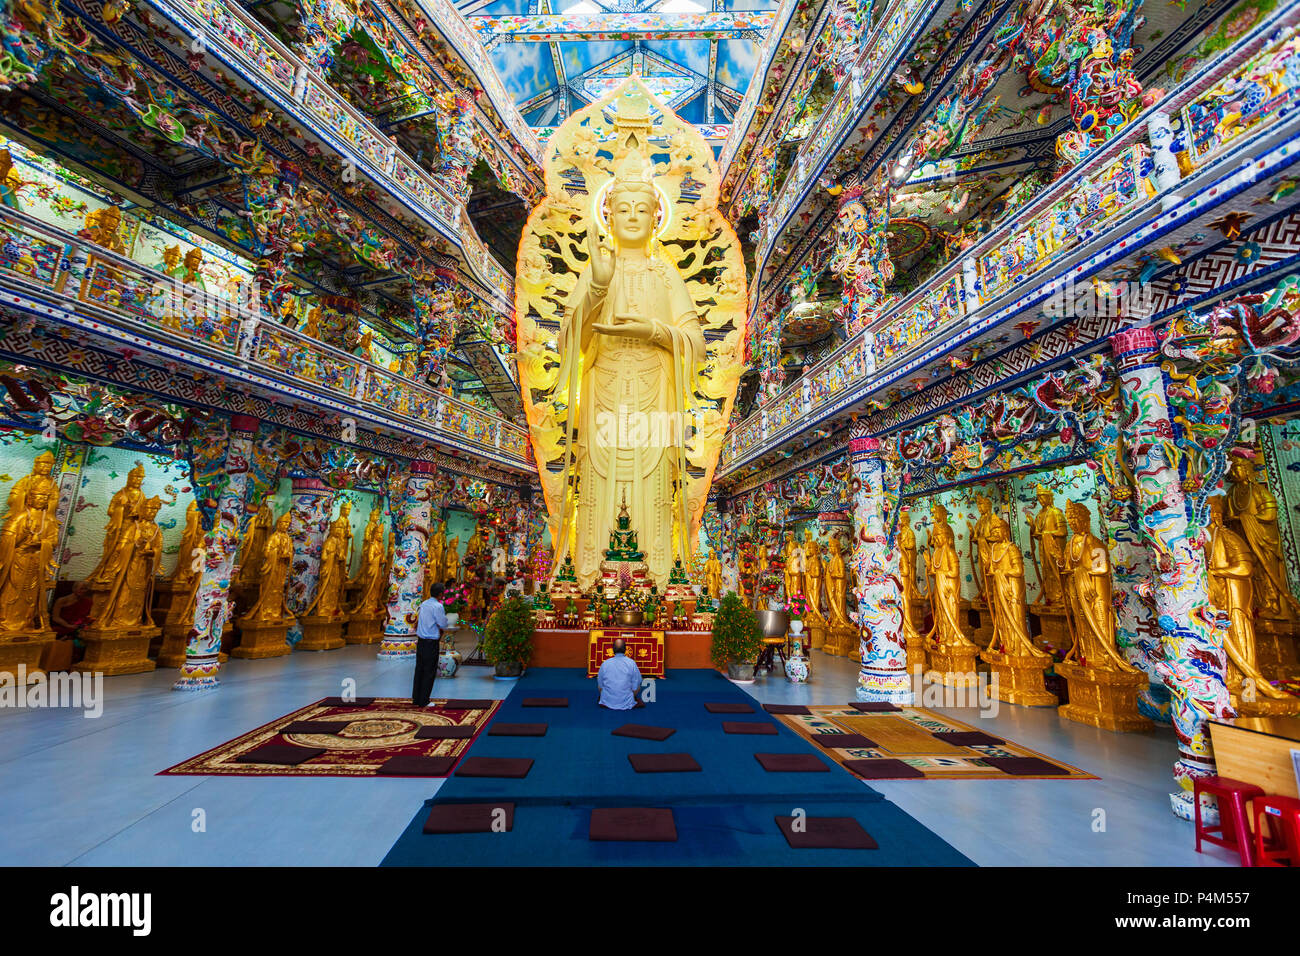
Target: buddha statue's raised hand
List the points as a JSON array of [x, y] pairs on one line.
[[602, 258]]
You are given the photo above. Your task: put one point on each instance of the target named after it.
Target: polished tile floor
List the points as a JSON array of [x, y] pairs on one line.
[[84, 791]]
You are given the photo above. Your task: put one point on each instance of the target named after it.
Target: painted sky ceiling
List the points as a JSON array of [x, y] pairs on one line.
[[556, 56]]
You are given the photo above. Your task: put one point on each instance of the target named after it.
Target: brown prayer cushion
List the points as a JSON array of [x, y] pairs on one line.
[[792, 763], [452, 732], [644, 732], [874, 706], [663, 763], [460, 703], [517, 730], [355, 702], [761, 727], [287, 755], [468, 817], [889, 769], [416, 765], [642, 824], [837, 741], [513, 767], [315, 727], [727, 707], [968, 738], [545, 702], [1026, 766], [792, 709], [826, 833]]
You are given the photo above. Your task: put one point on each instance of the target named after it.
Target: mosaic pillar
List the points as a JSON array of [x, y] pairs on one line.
[[71, 459], [220, 488], [1137, 633], [412, 516], [309, 517], [1165, 165], [883, 676], [1192, 662]]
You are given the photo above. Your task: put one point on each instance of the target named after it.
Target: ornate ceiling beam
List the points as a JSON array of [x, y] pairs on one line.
[[546, 28]]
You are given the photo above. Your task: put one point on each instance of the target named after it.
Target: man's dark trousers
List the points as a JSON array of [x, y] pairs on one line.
[[426, 669]]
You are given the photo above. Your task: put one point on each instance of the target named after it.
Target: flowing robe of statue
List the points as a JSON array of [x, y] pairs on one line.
[[1088, 589], [39, 477], [333, 576], [631, 401], [1254, 507], [946, 590], [1005, 581], [254, 546], [131, 596], [374, 585], [277, 556], [123, 515], [27, 565], [1049, 533]]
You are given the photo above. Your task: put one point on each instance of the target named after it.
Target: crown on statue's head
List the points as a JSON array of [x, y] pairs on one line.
[[136, 472], [634, 174]]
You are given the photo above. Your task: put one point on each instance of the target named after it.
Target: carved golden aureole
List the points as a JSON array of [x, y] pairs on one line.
[[1103, 685], [1232, 571], [262, 630], [117, 641], [1252, 510], [952, 655], [611, 400], [1047, 536]]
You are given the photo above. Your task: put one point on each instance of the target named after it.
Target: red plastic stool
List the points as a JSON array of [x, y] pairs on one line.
[[1233, 831], [1281, 845]]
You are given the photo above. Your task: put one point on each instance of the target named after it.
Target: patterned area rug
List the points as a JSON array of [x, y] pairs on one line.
[[915, 737], [368, 736]]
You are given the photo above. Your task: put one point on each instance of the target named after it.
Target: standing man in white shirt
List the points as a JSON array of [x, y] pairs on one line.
[[428, 632], [619, 679]]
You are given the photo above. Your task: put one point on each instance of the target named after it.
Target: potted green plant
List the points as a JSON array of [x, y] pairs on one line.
[[508, 637], [736, 639]]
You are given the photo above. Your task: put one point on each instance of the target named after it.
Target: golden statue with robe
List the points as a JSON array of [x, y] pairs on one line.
[[1047, 538], [837, 585], [1253, 509], [130, 594], [28, 562], [124, 512], [907, 578], [1232, 571], [980, 544], [793, 567], [371, 579], [451, 562], [433, 569], [949, 631], [40, 476], [254, 546], [632, 267], [328, 602], [713, 576], [273, 574], [812, 576], [1005, 581], [191, 540], [1088, 590]]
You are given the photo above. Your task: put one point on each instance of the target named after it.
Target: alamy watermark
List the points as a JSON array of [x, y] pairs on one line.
[[71, 689]]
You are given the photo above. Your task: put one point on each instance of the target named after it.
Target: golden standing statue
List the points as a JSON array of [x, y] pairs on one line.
[[124, 512], [372, 599], [981, 546], [837, 582], [433, 564], [342, 526], [40, 476], [1086, 565], [451, 570], [272, 574], [1253, 508], [1006, 594], [812, 576], [793, 567], [365, 570], [191, 541], [948, 631], [713, 575], [27, 562], [250, 558], [1047, 537], [130, 593], [1232, 571], [629, 397], [333, 575], [907, 576]]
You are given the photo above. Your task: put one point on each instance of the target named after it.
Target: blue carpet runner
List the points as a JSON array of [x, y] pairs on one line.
[[724, 814]]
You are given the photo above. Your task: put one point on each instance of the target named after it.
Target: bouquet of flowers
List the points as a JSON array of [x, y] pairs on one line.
[[455, 598], [797, 607]]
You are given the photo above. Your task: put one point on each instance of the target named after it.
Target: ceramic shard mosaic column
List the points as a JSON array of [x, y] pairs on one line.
[[309, 518], [1192, 663], [220, 489], [1136, 633], [412, 517], [883, 675]]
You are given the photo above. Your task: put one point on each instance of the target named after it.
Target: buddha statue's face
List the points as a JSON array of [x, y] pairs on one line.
[[997, 533], [283, 523], [632, 216], [1216, 510], [1044, 497], [134, 479], [193, 259], [110, 218], [171, 255], [345, 509], [984, 504], [1079, 520], [43, 466]]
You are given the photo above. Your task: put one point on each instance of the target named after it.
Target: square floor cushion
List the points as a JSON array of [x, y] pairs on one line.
[[968, 738], [511, 767], [663, 763], [792, 763], [444, 732], [750, 727], [825, 833], [728, 707], [888, 769], [843, 741], [644, 732], [286, 755], [416, 765], [545, 702], [315, 727], [640, 824], [470, 818], [874, 706], [462, 703], [517, 730], [1027, 766]]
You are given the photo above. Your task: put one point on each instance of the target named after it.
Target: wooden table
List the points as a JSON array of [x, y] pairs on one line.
[[1258, 750]]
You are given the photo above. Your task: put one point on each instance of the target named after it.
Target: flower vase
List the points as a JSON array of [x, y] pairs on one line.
[[796, 627], [796, 665]]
